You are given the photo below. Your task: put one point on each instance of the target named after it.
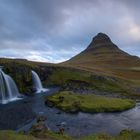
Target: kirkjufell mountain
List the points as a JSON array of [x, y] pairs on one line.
[[102, 56]]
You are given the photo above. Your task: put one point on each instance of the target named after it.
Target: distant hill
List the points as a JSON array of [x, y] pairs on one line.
[[102, 56]]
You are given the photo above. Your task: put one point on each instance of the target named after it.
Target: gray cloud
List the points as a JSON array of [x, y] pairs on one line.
[[55, 30]]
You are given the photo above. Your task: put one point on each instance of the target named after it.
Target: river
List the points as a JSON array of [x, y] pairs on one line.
[[21, 114]]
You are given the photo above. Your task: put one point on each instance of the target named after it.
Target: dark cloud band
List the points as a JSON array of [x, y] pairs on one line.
[[62, 28]]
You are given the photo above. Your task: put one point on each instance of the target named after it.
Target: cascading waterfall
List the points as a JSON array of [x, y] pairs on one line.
[[8, 89], [37, 83]]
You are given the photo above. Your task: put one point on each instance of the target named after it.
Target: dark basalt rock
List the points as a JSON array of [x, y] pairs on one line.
[[75, 84], [61, 99], [49, 103], [41, 119], [39, 129], [58, 112]]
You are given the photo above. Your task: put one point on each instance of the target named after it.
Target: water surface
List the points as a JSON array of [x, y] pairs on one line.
[[24, 113]]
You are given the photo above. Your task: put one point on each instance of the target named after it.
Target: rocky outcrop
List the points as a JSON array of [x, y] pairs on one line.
[[39, 129]]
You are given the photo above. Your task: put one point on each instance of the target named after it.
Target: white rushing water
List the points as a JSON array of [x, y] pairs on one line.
[[8, 89], [37, 83]]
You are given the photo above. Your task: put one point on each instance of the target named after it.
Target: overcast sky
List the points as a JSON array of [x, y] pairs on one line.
[[56, 30]]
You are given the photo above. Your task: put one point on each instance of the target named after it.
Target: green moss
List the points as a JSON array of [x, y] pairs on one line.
[[70, 102]]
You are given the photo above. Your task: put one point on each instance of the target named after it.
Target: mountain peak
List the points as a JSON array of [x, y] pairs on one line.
[[102, 52], [100, 39]]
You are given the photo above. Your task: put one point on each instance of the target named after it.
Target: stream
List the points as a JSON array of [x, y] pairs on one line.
[[21, 114]]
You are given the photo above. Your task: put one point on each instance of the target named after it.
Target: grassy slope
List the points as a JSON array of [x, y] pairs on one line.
[[65, 76], [107, 61], [56, 74], [88, 103]]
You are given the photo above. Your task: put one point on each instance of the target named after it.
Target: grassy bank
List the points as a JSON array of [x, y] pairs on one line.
[[71, 102], [124, 135], [11, 135]]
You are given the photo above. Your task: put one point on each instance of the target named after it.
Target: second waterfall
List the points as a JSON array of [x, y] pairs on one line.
[[37, 85]]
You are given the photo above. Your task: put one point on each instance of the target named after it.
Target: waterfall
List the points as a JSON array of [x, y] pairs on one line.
[[37, 85], [8, 89]]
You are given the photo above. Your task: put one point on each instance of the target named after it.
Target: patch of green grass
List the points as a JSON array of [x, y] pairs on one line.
[[124, 135], [128, 135], [98, 137], [71, 102], [54, 136], [61, 76], [11, 135], [76, 79]]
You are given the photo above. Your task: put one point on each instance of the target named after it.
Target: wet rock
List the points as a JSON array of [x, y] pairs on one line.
[[74, 110], [25, 102], [58, 125], [39, 129], [61, 131], [33, 89], [61, 98], [29, 93], [58, 112], [41, 119], [75, 84], [49, 103]]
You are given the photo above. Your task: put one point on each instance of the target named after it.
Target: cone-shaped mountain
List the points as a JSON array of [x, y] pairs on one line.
[[103, 52]]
